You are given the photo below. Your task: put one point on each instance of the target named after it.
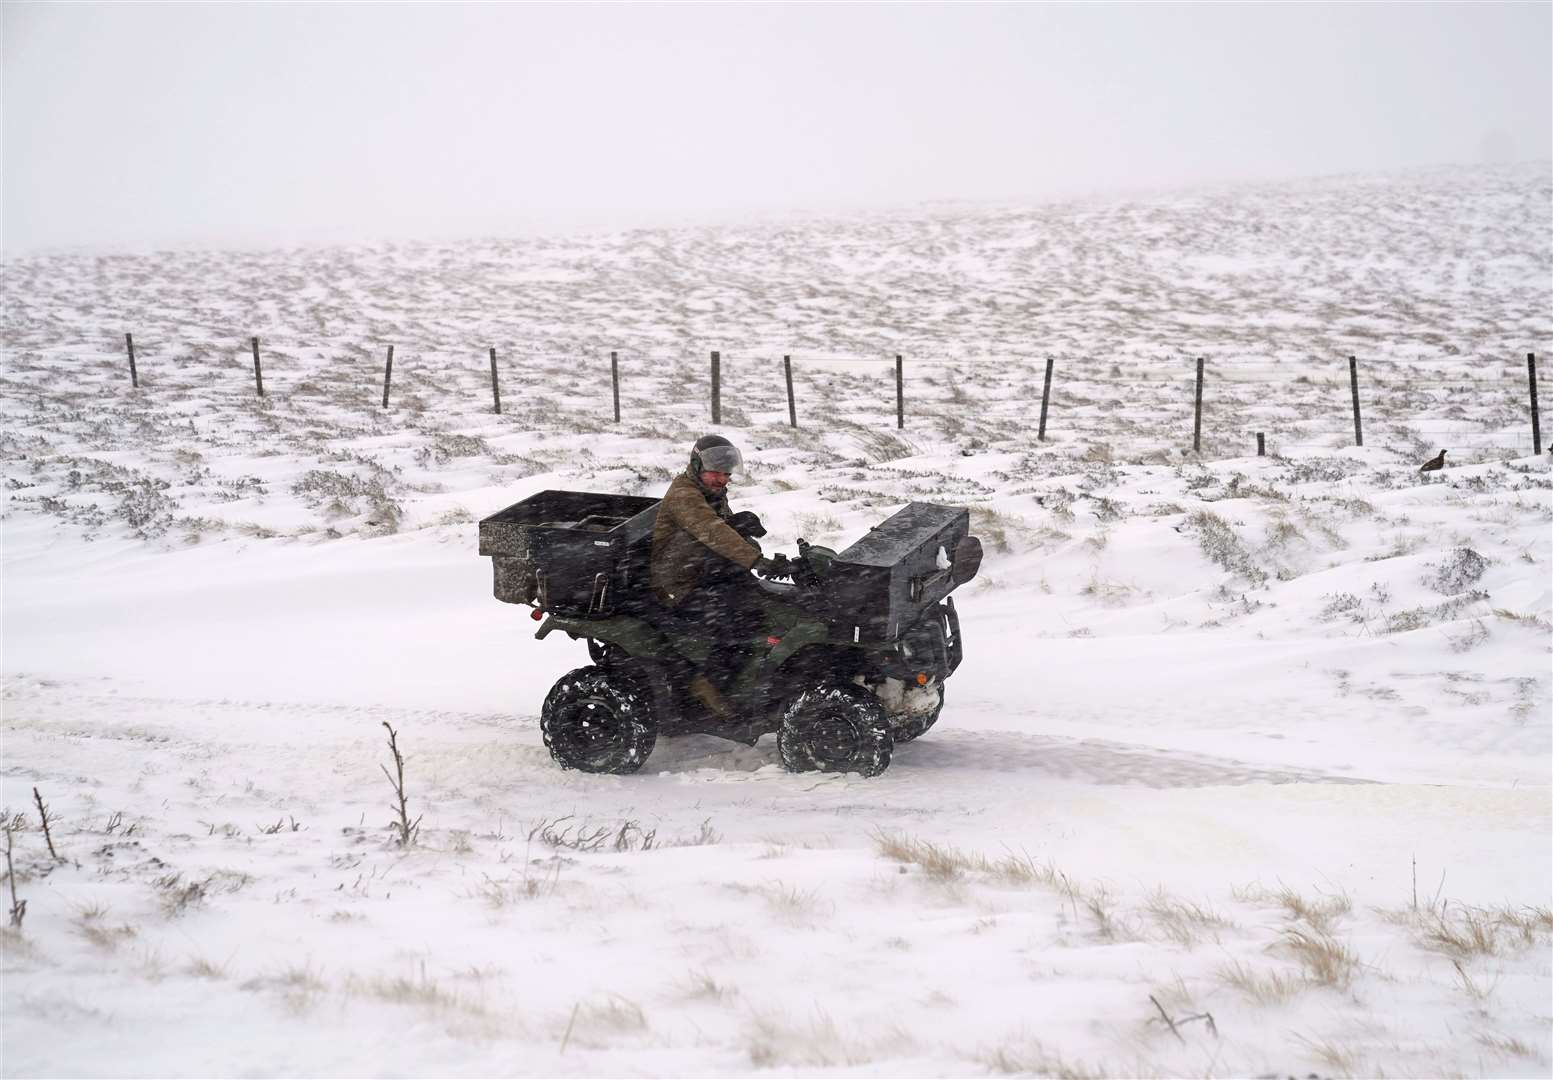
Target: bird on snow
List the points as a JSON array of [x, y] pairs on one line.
[[1434, 464]]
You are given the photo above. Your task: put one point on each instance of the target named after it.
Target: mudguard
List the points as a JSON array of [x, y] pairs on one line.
[[637, 637]]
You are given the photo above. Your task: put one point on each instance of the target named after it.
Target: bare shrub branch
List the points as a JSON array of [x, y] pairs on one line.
[[406, 830], [18, 907], [581, 836], [1174, 1025], [43, 815]]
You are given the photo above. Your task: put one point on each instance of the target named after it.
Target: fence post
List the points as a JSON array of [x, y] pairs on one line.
[[1197, 412], [258, 372], [388, 374], [495, 386], [614, 381], [900, 394], [1536, 427], [1261, 445], [1046, 395], [134, 379], [792, 408], [717, 388], [1353, 381]]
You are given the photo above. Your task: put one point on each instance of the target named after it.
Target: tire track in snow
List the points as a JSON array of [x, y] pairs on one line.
[[51, 709], [1094, 760]]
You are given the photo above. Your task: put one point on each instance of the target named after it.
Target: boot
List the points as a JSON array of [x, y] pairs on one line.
[[702, 690]]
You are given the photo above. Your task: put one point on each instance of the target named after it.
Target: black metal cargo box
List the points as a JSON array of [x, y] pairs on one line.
[[882, 584], [570, 552]]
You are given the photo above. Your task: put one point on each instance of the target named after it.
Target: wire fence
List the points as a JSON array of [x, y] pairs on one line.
[[1486, 406]]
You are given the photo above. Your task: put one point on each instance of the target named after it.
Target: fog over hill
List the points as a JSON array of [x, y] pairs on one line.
[[1245, 772], [1423, 263]]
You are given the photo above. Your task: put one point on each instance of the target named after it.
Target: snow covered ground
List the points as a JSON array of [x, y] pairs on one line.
[[1246, 773]]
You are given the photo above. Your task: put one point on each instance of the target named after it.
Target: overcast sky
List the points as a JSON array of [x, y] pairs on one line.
[[136, 124]]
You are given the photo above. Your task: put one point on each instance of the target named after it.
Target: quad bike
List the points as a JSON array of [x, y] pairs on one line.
[[853, 658]]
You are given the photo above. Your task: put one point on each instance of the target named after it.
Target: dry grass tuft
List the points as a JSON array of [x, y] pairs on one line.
[[600, 1023], [151, 966], [418, 990], [947, 865], [1338, 1058], [1529, 921], [1327, 962], [1462, 932], [179, 896], [816, 528], [92, 925], [772, 1041], [1183, 922], [943, 863], [1475, 990], [15, 946], [300, 987], [1002, 531], [1024, 870], [201, 967], [1526, 618], [1465, 932], [1504, 1044], [1102, 910], [1263, 988], [1029, 1057], [1318, 914], [700, 986], [540, 878], [791, 904], [614, 1013], [700, 838]]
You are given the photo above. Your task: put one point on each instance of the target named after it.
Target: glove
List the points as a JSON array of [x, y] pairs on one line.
[[747, 524], [776, 567]]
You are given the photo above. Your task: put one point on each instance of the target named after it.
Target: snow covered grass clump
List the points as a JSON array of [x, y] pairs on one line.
[[1246, 771]]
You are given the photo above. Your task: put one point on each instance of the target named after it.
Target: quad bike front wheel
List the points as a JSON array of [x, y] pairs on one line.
[[598, 720], [919, 709], [835, 727]]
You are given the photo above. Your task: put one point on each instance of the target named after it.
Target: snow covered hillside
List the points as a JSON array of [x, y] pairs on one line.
[[1246, 772]]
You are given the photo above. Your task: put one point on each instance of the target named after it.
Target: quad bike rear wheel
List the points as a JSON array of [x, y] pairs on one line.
[[599, 720], [835, 727]]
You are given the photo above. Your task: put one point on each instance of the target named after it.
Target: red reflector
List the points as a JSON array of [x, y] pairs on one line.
[[773, 641], [538, 614]]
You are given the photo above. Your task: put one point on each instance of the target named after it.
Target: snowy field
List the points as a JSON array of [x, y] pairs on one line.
[[1246, 772]]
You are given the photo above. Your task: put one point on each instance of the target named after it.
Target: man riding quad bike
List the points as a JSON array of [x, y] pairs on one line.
[[842, 663]]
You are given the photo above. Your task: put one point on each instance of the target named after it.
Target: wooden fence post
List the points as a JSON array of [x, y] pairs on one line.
[[388, 374], [495, 385], [900, 394], [1353, 381], [1536, 426], [792, 408], [258, 372], [717, 388], [134, 379], [1046, 396], [1197, 412], [614, 381], [1261, 445]]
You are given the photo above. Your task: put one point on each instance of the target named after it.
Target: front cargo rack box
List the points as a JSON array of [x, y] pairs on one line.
[[880, 586], [570, 552]]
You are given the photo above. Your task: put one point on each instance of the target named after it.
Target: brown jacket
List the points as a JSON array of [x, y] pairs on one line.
[[692, 526]]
